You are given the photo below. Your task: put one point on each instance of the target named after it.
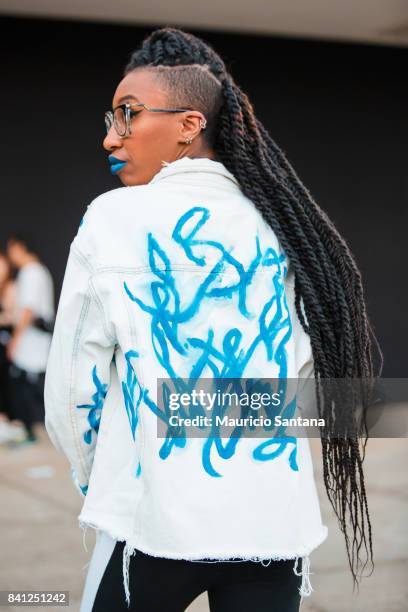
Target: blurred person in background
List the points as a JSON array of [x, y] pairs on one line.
[[29, 344], [7, 306]]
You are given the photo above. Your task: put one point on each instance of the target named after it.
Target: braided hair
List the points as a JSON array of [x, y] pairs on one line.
[[328, 282]]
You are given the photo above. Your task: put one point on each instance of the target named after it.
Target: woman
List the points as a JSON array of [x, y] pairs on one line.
[[7, 311], [212, 261]]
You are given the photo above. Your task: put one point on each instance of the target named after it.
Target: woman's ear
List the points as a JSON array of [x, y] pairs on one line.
[[191, 125]]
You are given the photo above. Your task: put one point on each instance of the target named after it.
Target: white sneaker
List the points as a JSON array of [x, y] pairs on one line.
[[10, 432], [17, 432], [4, 432]]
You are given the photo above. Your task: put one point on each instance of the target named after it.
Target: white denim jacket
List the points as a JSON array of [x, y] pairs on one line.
[[180, 277]]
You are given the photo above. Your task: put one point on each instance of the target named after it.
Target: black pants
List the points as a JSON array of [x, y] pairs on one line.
[[5, 403], [158, 584], [27, 397]]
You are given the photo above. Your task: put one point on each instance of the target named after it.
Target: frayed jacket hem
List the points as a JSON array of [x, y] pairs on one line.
[[132, 546]]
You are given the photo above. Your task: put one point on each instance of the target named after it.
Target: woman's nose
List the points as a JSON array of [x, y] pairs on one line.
[[112, 140]]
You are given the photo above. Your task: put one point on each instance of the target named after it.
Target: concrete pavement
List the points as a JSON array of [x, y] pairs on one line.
[[42, 545]]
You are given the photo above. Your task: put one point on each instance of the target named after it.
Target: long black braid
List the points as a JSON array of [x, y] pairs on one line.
[[327, 280]]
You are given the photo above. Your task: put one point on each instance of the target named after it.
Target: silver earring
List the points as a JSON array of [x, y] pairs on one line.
[[203, 123], [189, 140]]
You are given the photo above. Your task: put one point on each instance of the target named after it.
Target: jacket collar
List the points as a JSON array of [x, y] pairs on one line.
[[197, 165]]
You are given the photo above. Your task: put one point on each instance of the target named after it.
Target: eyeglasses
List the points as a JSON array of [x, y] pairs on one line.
[[122, 115]]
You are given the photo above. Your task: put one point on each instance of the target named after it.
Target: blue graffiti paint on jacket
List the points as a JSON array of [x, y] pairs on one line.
[[231, 359], [132, 394], [94, 414]]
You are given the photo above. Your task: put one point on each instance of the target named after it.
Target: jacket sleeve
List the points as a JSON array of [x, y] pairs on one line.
[[78, 368]]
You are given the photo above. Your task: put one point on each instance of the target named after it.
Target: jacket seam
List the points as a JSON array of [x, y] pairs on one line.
[[89, 295], [231, 186], [140, 431], [72, 406], [174, 268], [132, 328], [80, 257], [99, 304]]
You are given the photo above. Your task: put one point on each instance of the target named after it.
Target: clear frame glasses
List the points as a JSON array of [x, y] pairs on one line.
[[122, 115]]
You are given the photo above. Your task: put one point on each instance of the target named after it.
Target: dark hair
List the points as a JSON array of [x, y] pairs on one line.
[[328, 282], [24, 238]]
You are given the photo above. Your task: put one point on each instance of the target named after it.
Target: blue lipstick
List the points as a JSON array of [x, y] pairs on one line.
[[115, 164]]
